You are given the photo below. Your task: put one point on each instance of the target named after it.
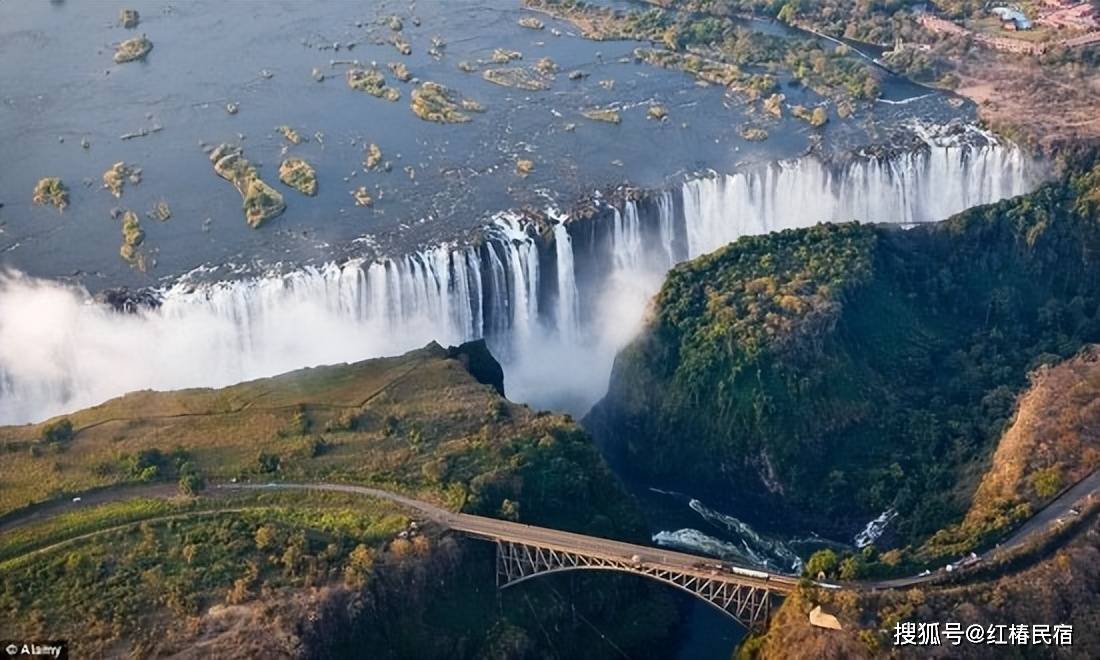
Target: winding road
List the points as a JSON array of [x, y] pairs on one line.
[[1058, 512]]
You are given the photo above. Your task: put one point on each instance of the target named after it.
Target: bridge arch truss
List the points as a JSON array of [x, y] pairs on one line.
[[748, 604]]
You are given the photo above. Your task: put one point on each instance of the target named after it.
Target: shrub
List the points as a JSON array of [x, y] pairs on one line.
[[268, 462], [822, 562], [1047, 482], [58, 431]]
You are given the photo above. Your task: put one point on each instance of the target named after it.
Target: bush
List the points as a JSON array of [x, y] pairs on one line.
[[822, 562], [58, 431], [1047, 482], [191, 483], [268, 462]]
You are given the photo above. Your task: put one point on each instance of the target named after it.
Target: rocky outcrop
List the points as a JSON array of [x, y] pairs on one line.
[[476, 358], [133, 49]]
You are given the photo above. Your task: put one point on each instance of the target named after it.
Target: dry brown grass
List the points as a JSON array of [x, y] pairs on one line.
[[1044, 105], [1057, 428]]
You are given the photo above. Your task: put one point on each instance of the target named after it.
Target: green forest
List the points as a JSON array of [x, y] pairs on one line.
[[847, 369]]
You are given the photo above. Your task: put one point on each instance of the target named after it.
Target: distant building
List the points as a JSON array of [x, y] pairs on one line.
[[1073, 15], [1012, 19]]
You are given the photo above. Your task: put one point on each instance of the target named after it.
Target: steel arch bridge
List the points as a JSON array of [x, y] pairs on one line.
[[746, 599]]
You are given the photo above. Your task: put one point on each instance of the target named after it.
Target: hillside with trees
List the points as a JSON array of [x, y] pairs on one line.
[[155, 557], [844, 370]]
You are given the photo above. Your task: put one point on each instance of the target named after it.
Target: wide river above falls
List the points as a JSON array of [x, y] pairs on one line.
[[61, 87]]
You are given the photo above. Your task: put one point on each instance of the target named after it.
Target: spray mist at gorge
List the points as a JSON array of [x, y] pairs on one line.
[[555, 299]]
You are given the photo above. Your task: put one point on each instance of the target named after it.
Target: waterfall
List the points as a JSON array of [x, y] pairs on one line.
[[924, 185], [665, 223], [59, 352], [568, 318]]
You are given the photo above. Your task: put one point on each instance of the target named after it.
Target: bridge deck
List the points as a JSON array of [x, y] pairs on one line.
[[680, 562]]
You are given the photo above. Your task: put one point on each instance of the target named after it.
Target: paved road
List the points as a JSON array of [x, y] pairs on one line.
[[1080, 494], [492, 529]]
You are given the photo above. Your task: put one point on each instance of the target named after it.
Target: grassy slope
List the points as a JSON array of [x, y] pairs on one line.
[[851, 368], [420, 424]]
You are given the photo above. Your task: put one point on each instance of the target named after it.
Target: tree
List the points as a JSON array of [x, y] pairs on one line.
[[509, 510], [268, 462], [851, 568], [191, 483], [358, 565], [822, 562], [265, 537], [58, 431]]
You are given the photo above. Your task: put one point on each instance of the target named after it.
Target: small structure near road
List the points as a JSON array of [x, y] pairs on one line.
[[822, 619], [1012, 19]]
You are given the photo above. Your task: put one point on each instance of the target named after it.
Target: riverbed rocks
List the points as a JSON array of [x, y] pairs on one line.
[[128, 18], [657, 112], [531, 23], [289, 134], [115, 178], [160, 212], [437, 47], [261, 201], [817, 117], [517, 77], [133, 49], [524, 167], [401, 45], [753, 133], [362, 196], [374, 156], [504, 56], [434, 102], [546, 66], [51, 191], [773, 105], [372, 82], [609, 115], [400, 71], [298, 174]]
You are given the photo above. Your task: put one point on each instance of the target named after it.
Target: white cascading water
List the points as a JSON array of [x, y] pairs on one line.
[[569, 311], [912, 187], [59, 351]]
